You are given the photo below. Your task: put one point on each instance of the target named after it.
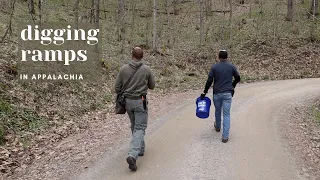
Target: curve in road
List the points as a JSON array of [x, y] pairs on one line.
[[187, 148]]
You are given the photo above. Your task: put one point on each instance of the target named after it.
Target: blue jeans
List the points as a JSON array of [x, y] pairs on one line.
[[222, 102]]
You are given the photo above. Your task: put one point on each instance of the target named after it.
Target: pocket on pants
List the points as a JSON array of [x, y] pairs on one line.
[[139, 106], [227, 96]]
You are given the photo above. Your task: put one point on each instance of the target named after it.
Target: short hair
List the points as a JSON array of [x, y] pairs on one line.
[[137, 53], [223, 54]]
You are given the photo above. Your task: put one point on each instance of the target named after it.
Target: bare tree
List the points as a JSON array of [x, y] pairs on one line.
[[275, 23], [9, 28], [201, 22], [230, 22], [97, 18], [168, 20], [104, 9], [208, 5], [313, 26], [32, 10], [91, 16], [175, 7], [290, 10], [168, 2], [97, 12], [40, 11], [31, 7], [314, 7], [154, 41], [250, 9], [76, 13], [261, 6], [133, 10], [148, 24], [122, 24]]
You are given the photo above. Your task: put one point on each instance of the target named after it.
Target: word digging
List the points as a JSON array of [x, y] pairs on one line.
[[57, 37]]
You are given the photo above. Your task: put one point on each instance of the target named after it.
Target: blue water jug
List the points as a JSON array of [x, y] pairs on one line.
[[203, 107]]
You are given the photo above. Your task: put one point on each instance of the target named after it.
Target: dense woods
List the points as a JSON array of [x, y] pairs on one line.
[[267, 40], [212, 15]]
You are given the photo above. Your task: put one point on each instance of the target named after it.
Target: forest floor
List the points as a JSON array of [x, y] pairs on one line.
[[302, 132], [38, 121]]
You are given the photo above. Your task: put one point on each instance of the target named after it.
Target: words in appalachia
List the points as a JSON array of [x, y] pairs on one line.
[[51, 77]]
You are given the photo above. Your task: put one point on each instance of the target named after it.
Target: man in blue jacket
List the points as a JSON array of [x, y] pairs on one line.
[[221, 75]]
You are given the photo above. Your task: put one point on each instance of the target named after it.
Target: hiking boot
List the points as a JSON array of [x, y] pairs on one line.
[[225, 140], [132, 163], [217, 129]]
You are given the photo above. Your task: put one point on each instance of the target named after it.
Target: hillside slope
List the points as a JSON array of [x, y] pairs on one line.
[[262, 45]]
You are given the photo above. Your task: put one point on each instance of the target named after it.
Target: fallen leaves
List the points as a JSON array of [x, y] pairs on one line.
[[304, 138]]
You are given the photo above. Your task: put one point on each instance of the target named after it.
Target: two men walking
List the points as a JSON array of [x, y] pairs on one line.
[[135, 78]]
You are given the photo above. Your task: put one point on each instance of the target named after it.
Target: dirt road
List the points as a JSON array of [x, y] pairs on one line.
[[183, 147]]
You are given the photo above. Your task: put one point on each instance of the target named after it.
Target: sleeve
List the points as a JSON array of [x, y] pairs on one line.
[[151, 81], [211, 73], [236, 76], [209, 80], [118, 84]]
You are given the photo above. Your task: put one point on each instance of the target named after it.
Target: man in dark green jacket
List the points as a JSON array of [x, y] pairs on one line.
[[136, 101]]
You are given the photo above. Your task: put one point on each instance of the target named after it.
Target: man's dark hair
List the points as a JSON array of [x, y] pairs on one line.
[[223, 54]]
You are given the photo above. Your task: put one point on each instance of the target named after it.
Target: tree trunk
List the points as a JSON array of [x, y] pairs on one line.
[[91, 17], [250, 9], [314, 7], [154, 41], [40, 11], [148, 24], [97, 12], [168, 2], [290, 10], [9, 28], [168, 21], [104, 9], [97, 19], [175, 7], [123, 24], [275, 24], [230, 23], [133, 7], [201, 22], [261, 6], [208, 7], [76, 13], [31, 7]]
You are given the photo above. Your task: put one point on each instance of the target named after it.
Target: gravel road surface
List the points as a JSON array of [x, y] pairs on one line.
[[183, 147]]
